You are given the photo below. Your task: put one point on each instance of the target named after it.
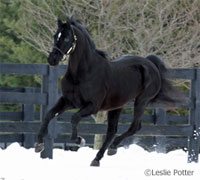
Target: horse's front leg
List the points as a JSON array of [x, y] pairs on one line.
[[61, 106], [83, 112]]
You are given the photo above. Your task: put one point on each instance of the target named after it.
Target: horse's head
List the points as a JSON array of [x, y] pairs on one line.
[[64, 43]]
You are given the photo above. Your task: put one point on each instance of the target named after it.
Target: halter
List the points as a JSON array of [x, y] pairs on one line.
[[70, 50]]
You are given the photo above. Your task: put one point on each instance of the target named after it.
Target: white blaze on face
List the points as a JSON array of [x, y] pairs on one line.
[[59, 35]]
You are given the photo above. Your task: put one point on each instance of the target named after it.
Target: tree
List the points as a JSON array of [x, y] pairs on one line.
[[13, 49], [100, 118], [167, 28]]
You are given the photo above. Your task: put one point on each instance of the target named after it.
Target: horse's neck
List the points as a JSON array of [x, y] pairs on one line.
[[81, 58], [73, 65]]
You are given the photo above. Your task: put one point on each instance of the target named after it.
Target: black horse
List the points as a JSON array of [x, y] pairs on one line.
[[92, 83]]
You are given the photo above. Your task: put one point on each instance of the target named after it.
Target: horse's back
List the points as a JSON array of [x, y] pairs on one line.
[[128, 78], [133, 65], [132, 60]]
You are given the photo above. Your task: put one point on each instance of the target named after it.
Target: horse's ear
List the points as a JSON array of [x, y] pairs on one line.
[[59, 22], [68, 22]]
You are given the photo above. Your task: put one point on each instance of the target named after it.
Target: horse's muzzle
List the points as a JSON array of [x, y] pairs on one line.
[[53, 59]]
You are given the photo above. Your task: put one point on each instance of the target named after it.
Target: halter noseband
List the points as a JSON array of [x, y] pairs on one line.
[[69, 51]]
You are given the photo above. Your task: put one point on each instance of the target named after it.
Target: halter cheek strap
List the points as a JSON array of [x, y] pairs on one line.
[[72, 48]]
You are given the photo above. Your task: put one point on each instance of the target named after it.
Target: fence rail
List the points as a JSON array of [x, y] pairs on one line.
[[158, 128]]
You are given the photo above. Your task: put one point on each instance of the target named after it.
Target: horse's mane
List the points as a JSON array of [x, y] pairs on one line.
[[82, 28]]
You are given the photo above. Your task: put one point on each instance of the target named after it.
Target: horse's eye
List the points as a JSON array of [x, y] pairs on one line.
[[66, 39]]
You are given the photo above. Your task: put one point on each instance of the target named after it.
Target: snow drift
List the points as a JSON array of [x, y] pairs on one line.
[[18, 163]]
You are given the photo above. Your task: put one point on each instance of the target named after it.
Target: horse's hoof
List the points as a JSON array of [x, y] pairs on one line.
[[39, 147], [95, 163], [80, 141], [111, 151]]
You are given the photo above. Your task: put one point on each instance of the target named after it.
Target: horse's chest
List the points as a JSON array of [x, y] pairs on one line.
[[73, 94], [76, 95]]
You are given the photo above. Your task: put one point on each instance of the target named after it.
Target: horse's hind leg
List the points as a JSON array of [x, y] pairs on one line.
[[113, 117], [139, 107]]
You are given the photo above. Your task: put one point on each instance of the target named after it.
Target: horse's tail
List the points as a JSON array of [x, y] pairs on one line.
[[168, 96]]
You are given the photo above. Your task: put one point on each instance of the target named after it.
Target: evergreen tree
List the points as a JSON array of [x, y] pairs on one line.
[[13, 49]]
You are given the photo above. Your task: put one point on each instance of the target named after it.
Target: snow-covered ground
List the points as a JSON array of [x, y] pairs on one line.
[[17, 163]]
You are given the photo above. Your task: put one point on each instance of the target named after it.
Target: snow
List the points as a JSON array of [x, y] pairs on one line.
[[18, 163]]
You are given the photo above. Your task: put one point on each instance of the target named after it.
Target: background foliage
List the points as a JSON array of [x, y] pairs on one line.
[[168, 28]]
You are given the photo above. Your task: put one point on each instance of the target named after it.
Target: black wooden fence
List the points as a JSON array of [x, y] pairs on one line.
[[163, 129]]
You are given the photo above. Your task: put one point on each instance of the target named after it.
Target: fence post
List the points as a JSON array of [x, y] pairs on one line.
[[194, 140], [28, 110], [160, 119], [50, 86]]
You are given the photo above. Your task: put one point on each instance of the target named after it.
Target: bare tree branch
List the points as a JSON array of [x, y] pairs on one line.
[[170, 28]]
